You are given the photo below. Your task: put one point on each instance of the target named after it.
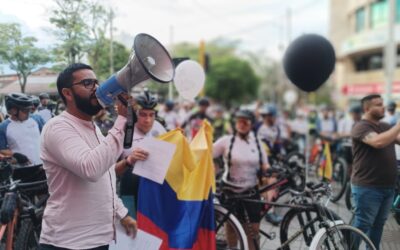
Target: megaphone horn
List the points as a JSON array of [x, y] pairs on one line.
[[149, 59]]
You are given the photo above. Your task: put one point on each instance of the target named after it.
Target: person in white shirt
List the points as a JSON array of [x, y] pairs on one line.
[[20, 133], [346, 124], [43, 109], [244, 159]]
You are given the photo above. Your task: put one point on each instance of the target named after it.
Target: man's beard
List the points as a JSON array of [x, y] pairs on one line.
[[85, 105]]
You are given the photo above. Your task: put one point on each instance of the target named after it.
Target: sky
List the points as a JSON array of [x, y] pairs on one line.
[[259, 25]]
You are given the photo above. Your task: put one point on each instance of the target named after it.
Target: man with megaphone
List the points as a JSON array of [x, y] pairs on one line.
[[79, 161]]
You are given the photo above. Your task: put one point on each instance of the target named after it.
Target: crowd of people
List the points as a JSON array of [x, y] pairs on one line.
[[82, 152]]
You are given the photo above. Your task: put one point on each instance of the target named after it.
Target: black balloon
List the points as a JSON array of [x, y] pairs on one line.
[[309, 61]]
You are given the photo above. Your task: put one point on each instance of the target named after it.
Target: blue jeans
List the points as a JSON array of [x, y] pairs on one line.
[[372, 207]]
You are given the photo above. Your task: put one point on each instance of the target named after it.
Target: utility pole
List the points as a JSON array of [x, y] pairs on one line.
[[202, 59], [171, 44], [390, 51], [111, 16]]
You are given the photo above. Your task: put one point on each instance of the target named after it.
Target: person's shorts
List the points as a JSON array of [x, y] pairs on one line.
[[253, 209]]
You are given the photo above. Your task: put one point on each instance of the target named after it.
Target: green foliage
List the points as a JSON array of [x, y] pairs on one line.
[[99, 58], [71, 29], [19, 52], [231, 80], [80, 26]]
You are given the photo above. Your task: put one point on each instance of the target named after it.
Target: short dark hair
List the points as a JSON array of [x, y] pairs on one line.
[[65, 78], [366, 100]]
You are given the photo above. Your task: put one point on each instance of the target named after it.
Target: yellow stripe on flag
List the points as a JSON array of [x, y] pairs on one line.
[[191, 172], [325, 170]]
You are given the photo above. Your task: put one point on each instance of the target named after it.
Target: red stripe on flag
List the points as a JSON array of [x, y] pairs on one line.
[[151, 228]]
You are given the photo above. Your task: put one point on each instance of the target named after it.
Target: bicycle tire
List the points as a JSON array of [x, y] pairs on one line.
[[292, 224], [340, 236], [28, 236], [339, 178], [349, 198], [220, 236]]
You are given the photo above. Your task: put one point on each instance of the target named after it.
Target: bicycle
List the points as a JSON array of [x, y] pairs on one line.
[[318, 161], [289, 178], [22, 207], [311, 218]]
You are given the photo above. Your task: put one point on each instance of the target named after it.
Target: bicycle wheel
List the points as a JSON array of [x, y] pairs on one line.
[[343, 237], [339, 178], [28, 236], [237, 238], [299, 226], [349, 198]]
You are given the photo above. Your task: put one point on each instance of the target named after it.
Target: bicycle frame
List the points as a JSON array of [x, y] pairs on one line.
[[305, 225], [10, 227]]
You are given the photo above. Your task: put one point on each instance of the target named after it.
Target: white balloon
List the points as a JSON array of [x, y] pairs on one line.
[[290, 96], [189, 79]]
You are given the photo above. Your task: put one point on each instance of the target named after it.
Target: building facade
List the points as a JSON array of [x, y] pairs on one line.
[[359, 32]]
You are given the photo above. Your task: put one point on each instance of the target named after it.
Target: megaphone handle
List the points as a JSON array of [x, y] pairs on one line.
[[130, 126]]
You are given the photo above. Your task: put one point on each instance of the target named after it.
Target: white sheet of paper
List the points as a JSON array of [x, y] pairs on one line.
[[142, 241], [156, 165]]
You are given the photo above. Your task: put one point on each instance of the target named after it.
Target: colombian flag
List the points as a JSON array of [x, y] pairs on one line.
[[181, 211], [325, 169]]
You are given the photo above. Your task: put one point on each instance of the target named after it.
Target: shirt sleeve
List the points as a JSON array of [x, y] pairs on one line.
[[219, 146], [264, 156], [62, 141], [360, 130], [120, 209], [3, 135]]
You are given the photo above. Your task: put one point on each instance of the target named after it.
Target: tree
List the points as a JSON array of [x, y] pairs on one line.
[[71, 29], [99, 59], [231, 80], [19, 52]]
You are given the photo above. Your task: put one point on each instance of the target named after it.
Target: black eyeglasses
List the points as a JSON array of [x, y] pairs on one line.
[[87, 83]]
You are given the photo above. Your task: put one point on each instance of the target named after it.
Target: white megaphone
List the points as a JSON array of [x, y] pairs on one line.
[[149, 59]]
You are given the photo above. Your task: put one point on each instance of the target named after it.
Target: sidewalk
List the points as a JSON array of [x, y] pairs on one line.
[[390, 238]]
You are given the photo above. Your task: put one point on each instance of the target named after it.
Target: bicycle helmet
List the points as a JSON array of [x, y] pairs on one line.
[[35, 100], [44, 96], [391, 106], [269, 110], [146, 101], [356, 109], [18, 100], [169, 104], [245, 113], [204, 102]]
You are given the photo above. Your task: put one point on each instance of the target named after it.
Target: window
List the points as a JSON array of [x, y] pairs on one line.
[[360, 19], [372, 61], [379, 13], [397, 11]]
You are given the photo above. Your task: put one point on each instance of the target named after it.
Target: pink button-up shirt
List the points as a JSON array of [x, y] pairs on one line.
[[79, 164]]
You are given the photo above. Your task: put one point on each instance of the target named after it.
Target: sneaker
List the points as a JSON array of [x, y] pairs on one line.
[[273, 218]]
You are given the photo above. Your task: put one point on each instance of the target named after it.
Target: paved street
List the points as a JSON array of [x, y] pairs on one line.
[[390, 239]]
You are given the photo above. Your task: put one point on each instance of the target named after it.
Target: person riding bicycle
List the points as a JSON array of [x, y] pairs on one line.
[[146, 126], [20, 133], [196, 119], [44, 108], [270, 132], [169, 115], [244, 159]]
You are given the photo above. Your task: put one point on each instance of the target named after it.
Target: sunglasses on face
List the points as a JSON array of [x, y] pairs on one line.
[[144, 114], [87, 83], [243, 121]]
